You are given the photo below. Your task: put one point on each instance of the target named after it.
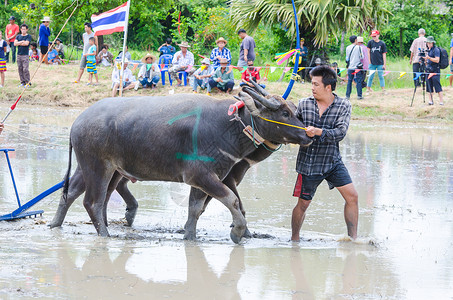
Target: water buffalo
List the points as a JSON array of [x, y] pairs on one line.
[[181, 138]]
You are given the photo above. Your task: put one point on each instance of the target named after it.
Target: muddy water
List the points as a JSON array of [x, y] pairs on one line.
[[403, 173]]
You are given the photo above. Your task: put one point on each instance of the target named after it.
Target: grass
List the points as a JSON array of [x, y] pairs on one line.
[[54, 85]]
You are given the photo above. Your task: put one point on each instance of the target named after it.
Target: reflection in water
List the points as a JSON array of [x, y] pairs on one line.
[[403, 174]]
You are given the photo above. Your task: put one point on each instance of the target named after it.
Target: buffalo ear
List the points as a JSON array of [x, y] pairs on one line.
[[250, 103]]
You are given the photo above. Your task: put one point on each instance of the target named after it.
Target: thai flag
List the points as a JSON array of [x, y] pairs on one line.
[[110, 21]]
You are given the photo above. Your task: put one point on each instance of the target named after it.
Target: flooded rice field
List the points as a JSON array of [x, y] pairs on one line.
[[403, 173]]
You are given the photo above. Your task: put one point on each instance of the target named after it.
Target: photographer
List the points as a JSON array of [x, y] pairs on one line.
[[417, 45], [432, 59]]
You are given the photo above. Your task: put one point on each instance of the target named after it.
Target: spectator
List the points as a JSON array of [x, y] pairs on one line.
[[303, 59], [1, 127], [334, 66], [12, 30], [167, 48], [59, 47], [365, 59], [149, 73], [202, 76], [44, 33], [3, 46], [53, 58], [91, 61], [353, 57], [105, 57], [432, 59], [451, 60], [223, 78], [34, 52], [417, 45], [86, 45], [247, 49], [128, 55], [128, 78], [219, 52], [377, 52], [181, 62], [23, 42], [251, 73]]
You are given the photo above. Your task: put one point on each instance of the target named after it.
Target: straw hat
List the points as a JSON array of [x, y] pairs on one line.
[[221, 39], [184, 44], [146, 57], [45, 19], [223, 60], [360, 39], [206, 61]]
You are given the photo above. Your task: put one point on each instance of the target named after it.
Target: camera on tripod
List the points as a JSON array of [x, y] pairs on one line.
[[421, 55]]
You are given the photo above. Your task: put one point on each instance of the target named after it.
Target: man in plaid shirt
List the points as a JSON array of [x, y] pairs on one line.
[[326, 117]]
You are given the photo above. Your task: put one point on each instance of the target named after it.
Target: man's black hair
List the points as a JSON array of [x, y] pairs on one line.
[[92, 39], [34, 44], [329, 77], [104, 47], [169, 40], [241, 30], [24, 25], [352, 38], [88, 24]]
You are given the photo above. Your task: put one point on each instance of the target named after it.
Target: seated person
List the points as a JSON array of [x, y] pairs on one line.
[[182, 61], [128, 55], [53, 58], [251, 73], [167, 48], [334, 66], [104, 57], [222, 78], [34, 52], [219, 52], [60, 48], [149, 73], [202, 76], [128, 78]]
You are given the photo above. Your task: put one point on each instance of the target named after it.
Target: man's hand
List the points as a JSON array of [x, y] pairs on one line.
[[312, 131], [197, 77]]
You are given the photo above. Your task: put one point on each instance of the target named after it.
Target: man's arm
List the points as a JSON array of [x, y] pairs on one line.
[[96, 43], [335, 134], [451, 55], [369, 56], [384, 56], [246, 52]]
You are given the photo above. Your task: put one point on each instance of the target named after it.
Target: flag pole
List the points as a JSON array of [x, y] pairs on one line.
[[124, 47]]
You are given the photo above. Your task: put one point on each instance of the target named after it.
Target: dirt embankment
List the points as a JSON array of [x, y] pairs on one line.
[[54, 85]]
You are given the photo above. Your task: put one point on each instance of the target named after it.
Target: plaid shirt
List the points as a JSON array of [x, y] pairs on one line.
[[225, 53], [180, 60], [324, 152]]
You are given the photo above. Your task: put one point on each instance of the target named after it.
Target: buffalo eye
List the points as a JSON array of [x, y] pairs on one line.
[[285, 114]]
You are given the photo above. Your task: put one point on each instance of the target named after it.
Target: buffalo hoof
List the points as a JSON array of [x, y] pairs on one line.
[[130, 216], [190, 236], [54, 224], [236, 234], [247, 234]]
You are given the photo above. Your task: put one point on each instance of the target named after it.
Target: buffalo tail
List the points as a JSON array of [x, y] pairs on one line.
[[68, 173]]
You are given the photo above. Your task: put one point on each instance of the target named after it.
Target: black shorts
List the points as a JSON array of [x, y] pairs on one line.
[[306, 185], [44, 49], [433, 84]]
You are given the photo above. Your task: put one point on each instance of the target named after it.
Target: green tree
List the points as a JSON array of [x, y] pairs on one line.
[[323, 18]]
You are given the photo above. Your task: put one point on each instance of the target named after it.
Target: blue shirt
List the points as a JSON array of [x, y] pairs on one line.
[[44, 33], [92, 49], [168, 50], [225, 53], [2, 49], [433, 67], [304, 52]]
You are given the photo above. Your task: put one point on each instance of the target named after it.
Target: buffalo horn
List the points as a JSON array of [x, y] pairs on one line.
[[259, 88], [248, 101], [270, 103]]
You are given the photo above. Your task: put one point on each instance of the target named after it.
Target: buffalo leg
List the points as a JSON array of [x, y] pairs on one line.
[[76, 188], [97, 180], [196, 205], [131, 202], [112, 186]]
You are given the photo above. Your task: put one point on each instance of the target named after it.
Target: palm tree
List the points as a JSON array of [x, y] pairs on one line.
[[322, 17]]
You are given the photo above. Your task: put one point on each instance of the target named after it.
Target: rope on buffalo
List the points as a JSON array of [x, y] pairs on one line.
[[254, 143], [40, 62], [286, 124]]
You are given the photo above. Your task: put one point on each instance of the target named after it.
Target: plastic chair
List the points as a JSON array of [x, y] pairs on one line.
[[165, 60]]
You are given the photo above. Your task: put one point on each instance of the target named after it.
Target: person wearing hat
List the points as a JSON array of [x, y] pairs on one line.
[[354, 57], [44, 33], [181, 62], [222, 78], [303, 59], [12, 30], [128, 77], [202, 76], [149, 73], [377, 52], [417, 45], [432, 60], [220, 52], [59, 47]]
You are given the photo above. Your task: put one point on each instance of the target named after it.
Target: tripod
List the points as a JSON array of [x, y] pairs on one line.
[[422, 79]]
